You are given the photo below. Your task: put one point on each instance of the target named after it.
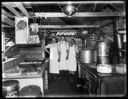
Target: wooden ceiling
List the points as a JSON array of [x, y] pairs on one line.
[[51, 13]]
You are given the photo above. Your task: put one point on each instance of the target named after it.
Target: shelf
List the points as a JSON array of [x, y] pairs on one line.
[[29, 45]]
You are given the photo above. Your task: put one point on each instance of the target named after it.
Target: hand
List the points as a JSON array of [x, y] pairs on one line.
[[58, 59], [66, 58]]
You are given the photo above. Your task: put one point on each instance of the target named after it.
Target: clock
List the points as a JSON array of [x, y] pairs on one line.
[[21, 25]]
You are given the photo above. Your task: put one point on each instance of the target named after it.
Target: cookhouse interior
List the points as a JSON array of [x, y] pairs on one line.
[[37, 36]]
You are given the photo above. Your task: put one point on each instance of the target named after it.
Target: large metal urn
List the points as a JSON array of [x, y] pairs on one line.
[[103, 53], [86, 56]]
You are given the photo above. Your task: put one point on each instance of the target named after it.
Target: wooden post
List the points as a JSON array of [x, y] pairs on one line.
[[116, 52]]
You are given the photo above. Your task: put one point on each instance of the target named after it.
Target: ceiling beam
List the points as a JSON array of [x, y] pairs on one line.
[[81, 14], [9, 7], [76, 2], [22, 8], [7, 14], [4, 16], [8, 21], [68, 26]]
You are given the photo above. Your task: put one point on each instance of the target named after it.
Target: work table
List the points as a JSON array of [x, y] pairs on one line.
[[91, 68]]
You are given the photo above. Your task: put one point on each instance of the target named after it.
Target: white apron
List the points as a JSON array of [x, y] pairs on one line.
[[54, 66], [72, 63], [63, 48]]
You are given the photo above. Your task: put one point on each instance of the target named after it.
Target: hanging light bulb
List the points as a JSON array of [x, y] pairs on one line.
[[69, 9]]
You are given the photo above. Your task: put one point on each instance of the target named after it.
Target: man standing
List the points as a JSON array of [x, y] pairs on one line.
[[63, 46], [54, 65]]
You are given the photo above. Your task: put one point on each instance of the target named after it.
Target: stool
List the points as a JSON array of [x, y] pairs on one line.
[[31, 90]]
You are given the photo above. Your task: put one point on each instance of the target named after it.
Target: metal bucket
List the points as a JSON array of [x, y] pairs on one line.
[[10, 88], [103, 49]]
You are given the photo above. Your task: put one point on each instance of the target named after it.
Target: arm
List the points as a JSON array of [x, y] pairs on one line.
[[67, 50], [76, 50], [48, 46], [59, 52]]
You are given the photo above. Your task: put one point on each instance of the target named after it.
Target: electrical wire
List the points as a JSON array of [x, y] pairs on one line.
[[34, 18], [60, 7], [94, 8], [78, 6]]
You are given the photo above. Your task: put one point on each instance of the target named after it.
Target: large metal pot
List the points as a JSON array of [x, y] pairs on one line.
[[103, 49], [86, 56], [103, 53], [10, 88]]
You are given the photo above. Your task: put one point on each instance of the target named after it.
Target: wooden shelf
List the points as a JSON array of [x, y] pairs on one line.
[[29, 45]]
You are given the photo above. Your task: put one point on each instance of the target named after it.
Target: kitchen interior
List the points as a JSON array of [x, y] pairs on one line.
[[99, 30]]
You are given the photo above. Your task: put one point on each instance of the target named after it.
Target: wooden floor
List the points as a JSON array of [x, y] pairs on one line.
[[64, 85]]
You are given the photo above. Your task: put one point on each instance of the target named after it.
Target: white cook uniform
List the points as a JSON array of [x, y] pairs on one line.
[[72, 63], [63, 50], [54, 65]]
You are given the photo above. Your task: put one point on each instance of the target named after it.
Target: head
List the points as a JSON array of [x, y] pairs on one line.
[[62, 38], [54, 40], [72, 41], [67, 39]]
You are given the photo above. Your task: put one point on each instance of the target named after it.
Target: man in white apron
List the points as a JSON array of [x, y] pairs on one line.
[[63, 50], [54, 65], [72, 62]]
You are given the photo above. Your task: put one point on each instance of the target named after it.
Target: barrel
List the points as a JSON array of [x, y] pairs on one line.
[[31, 91], [10, 88], [103, 53]]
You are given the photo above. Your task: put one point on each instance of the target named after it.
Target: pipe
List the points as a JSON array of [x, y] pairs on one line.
[[76, 2]]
